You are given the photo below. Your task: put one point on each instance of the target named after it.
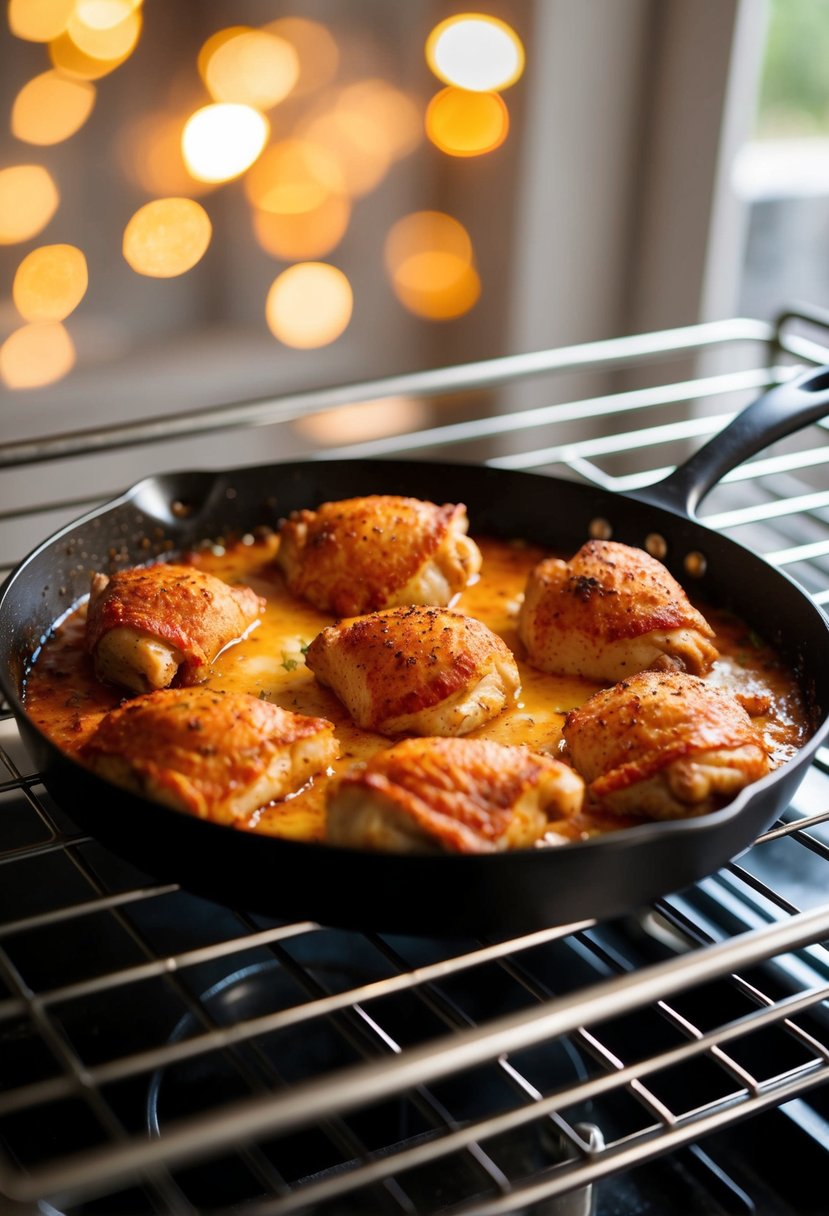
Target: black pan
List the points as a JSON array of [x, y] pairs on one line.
[[436, 895]]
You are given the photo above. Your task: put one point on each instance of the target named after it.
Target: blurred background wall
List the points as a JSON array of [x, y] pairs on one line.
[[206, 201]]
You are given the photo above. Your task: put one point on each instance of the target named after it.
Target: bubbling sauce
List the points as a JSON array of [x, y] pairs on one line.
[[66, 701]]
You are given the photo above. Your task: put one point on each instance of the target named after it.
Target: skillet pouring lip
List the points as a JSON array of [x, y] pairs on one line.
[[436, 894]]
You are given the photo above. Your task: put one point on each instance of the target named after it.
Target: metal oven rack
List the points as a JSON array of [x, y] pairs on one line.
[[159, 1053]]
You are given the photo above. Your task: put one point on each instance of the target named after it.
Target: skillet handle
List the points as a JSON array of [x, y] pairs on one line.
[[779, 412]]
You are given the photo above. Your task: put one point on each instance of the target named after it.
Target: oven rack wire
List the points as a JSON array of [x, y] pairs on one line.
[[485, 1076]]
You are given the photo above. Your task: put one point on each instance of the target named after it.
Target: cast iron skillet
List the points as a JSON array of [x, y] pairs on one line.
[[436, 895]]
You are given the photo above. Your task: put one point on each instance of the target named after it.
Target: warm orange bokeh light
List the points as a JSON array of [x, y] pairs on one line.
[[462, 123], [50, 283], [299, 209], [366, 420], [28, 200], [39, 20], [253, 68], [475, 51], [357, 141], [69, 59], [309, 305], [36, 355], [167, 237], [436, 285], [317, 53], [209, 48], [105, 14], [50, 108], [421, 231], [293, 176], [303, 235], [105, 29], [429, 258], [221, 141], [392, 115]]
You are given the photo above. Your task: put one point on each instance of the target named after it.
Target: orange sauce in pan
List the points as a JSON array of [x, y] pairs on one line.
[[66, 701]]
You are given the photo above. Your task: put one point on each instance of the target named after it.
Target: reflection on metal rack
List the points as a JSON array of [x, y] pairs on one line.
[[162, 1053]]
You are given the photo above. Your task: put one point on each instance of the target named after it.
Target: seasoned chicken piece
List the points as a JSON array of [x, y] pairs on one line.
[[151, 625], [363, 554], [610, 611], [451, 795], [416, 671], [664, 745], [216, 755]]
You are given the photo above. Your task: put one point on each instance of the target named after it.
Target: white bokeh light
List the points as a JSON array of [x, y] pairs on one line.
[[476, 52]]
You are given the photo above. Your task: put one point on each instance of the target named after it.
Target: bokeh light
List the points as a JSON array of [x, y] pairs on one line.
[[332, 150], [105, 29], [366, 126], [429, 258], [423, 231], [69, 59], [299, 209], [50, 283], [166, 237], [251, 67], [28, 200], [435, 285], [475, 51], [364, 420], [390, 113], [39, 20], [317, 52], [463, 123], [221, 141], [50, 108], [36, 355], [211, 45], [104, 14], [357, 140], [294, 176], [309, 305], [303, 235]]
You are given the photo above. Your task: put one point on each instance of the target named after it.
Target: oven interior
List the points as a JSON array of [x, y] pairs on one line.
[[160, 1053]]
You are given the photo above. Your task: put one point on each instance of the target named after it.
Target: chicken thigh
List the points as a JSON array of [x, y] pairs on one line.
[[664, 745], [363, 554], [610, 611], [451, 795], [150, 625], [215, 755], [416, 670]]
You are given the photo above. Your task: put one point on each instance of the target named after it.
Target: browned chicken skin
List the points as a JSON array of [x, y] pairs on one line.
[[610, 611], [451, 795], [664, 745], [416, 670], [151, 625], [363, 554], [215, 755]]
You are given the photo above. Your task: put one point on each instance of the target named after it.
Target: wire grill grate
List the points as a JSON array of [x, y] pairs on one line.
[[162, 1053]]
